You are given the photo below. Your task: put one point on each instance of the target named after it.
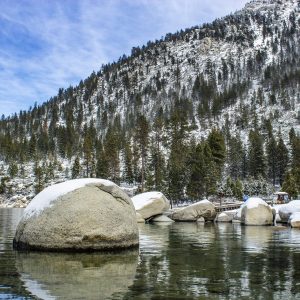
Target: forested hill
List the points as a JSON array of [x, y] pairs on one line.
[[179, 115]]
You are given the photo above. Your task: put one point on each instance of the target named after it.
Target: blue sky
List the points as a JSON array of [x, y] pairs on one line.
[[48, 44]]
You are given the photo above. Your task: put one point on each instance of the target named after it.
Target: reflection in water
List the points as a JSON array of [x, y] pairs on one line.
[[175, 261], [77, 276]]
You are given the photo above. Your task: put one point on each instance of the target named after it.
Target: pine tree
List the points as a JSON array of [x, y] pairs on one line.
[[217, 146], [235, 157], [109, 163], [142, 140], [282, 159], [272, 159], [256, 155], [157, 160], [76, 168], [87, 152], [12, 170], [290, 186], [39, 177], [128, 168]]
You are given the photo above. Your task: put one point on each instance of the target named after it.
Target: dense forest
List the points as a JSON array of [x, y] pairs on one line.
[[209, 111]]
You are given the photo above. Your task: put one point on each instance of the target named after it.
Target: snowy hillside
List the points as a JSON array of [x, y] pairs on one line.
[[237, 74]]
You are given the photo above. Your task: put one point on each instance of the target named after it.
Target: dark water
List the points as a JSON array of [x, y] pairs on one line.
[[177, 261]]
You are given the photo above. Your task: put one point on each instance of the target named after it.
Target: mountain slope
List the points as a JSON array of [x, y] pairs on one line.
[[238, 73]]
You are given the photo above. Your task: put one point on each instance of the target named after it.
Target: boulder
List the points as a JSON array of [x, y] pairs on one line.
[[255, 211], [294, 220], [150, 204], [224, 217], [193, 212], [286, 210], [78, 215], [162, 218], [139, 218]]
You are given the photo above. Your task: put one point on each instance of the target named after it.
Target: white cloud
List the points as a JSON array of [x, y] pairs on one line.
[[56, 43]]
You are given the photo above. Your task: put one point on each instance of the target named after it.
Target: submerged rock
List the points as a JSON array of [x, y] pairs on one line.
[[150, 204], [78, 215], [162, 218], [255, 211], [193, 212]]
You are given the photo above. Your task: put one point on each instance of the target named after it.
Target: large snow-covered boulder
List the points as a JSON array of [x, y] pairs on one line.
[[150, 204], [255, 211], [78, 215], [193, 212], [286, 210], [294, 220]]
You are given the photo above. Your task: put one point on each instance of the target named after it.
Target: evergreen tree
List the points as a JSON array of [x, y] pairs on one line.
[[128, 168], [216, 144], [235, 157], [256, 155], [76, 168], [142, 140], [290, 186], [109, 162], [13, 170], [87, 152], [272, 158], [282, 159], [39, 177]]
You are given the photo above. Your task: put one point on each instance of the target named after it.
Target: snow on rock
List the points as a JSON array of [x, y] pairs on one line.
[[294, 220], [150, 204], [46, 197], [255, 211], [254, 202], [286, 210]]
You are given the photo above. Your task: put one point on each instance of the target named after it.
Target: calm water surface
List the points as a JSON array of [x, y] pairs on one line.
[[177, 261]]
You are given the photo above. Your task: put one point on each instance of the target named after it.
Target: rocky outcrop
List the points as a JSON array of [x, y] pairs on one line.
[[78, 215], [195, 211], [286, 210], [255, 211], [150, 204]]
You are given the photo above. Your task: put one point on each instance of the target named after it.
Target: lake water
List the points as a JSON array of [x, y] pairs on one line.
[[177, 261]]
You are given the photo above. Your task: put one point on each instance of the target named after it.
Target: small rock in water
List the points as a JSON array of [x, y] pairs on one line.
[[162, 218]]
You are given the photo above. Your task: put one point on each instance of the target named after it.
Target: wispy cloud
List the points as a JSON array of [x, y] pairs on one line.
[[46, 45]]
